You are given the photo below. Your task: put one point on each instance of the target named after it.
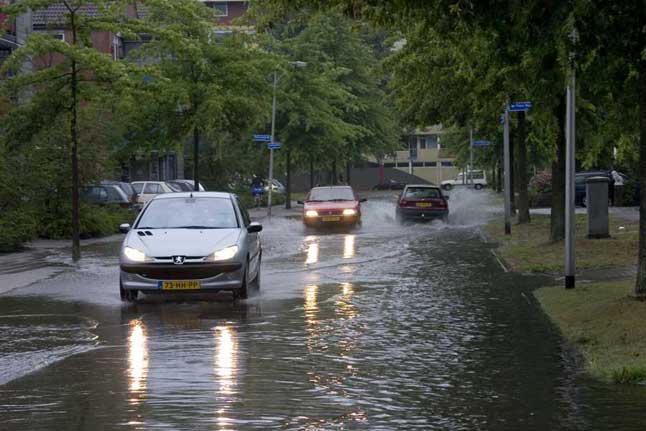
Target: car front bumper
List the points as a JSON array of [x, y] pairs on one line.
[[323, 221], [148, 278]]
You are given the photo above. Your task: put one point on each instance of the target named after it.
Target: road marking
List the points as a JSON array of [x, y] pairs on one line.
[[502, 265]]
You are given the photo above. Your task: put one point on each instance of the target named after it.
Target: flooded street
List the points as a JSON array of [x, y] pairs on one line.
[[387, 327]]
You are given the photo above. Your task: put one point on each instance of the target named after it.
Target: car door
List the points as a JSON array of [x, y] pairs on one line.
[[253, 242]]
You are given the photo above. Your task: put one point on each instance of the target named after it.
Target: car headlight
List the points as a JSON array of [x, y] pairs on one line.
[[349, 212], [225, 254], [311, 213], [134, 255]]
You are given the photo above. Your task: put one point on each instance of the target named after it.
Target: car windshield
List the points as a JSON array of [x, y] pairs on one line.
[[422, 193], [331, 194], [189, 213], [138, 187], [127, 188], [176, 187]]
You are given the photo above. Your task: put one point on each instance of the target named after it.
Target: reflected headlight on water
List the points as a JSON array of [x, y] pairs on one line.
[[134, 255], [224, 254], [311, 213]]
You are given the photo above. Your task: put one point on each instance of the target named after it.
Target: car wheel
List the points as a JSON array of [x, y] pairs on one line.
[[478, 186], [447, 187], [243, 291], [127, 295]]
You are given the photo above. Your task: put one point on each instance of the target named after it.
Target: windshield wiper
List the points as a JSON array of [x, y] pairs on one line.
[[341, 200], [147, 227], [199, 227]]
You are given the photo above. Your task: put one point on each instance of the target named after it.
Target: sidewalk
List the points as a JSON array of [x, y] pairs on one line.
[[40, 260], [259, 214]]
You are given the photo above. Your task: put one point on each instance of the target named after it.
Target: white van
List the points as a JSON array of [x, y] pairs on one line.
[[476, 177]]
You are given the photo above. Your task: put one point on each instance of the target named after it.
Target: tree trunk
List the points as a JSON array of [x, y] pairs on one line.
[[499, 177], [334, 173], [288, 180], [640, 285], [311, 172], [196, 161], [76, 214], [512, 173], [521, 148], [348, 168], [557, 217]]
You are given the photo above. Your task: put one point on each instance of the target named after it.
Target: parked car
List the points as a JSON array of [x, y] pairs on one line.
[[146, 190], [477, 178], [277, 186], [422, 202], [183, 185], [107, 194], [332, 206], [191, 242], [127, 189]]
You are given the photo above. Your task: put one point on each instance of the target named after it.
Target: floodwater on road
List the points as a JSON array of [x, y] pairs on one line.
[[386, 327]]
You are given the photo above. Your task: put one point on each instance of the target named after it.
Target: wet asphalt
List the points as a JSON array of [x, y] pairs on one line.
[[386, 327]]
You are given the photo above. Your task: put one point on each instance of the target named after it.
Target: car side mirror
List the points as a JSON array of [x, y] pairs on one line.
[[300, 202], [254, 227], [446, 197], [363, 200], [124, 228]]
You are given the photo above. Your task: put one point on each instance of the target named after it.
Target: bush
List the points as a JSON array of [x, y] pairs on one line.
[[17, 226], [249, 202], [95, 222]]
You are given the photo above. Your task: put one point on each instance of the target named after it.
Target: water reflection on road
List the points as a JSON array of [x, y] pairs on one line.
[[381, 328]]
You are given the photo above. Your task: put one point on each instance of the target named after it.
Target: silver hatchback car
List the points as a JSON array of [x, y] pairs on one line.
[[191, 242]]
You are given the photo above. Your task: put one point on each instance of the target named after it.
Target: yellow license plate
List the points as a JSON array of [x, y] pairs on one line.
[[180, 285], [331, 219], [424, 204]]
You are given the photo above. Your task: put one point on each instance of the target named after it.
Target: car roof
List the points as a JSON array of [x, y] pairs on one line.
[[221, 195], [331, 187], [430, 186]]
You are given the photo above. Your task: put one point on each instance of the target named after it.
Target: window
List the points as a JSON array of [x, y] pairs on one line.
[[477, 175], [422, 193], [331, 194], [245, 215], [422, 143], [153, 189], [220, 8], [189, 213], [430, 164], [389, 165], [138, 187], [418, 164], [446, 164], [431, 142], [59, 36]]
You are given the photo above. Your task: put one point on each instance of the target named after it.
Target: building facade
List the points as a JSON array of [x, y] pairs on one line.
[[423, 156]]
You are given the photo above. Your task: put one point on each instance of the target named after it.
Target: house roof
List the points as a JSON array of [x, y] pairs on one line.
[[55, 16]]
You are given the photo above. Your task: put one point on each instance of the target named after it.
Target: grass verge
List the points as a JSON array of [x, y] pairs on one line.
[[529, 249], [605, 324]]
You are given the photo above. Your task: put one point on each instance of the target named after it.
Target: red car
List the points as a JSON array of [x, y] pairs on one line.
[[422, 202], [332, 206]]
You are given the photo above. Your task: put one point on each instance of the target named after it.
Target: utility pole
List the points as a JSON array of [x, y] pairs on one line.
[[570, 171], [271, 150], [507, 171], [471, 155]]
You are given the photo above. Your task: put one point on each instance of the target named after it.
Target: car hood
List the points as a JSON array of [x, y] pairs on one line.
[[182, 242], [332, 205]]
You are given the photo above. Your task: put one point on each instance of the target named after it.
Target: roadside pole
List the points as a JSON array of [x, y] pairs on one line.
[[271, 150], [471, 155], [570, 168], [507, 182]]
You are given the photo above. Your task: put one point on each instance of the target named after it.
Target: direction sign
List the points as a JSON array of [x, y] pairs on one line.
[[520, 106], [273, 146], [262, 138], [481, 143]]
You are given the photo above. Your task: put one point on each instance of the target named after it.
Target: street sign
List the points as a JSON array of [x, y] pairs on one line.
[[520, 106], [273, 145], [262, 138], [481, 143]]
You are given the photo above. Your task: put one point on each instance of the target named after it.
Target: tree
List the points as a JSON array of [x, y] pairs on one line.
[[50, 93]]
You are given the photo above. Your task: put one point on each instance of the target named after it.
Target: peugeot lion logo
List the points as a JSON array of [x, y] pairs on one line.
[[178, 260]]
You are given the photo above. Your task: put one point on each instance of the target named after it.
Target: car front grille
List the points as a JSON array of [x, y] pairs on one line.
[[180, 272]]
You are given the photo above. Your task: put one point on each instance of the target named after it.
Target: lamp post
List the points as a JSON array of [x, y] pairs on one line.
[[273, 131], [570, 172]]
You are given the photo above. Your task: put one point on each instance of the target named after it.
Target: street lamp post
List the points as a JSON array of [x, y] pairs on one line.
[[570, 172], [273, 131]]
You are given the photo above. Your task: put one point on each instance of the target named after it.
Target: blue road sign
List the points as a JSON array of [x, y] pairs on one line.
[[273, 146], [262, 138], [481, 143], [520, 106]]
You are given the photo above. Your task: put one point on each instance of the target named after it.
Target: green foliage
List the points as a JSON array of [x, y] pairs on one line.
[[17, 226], [95, 222]]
